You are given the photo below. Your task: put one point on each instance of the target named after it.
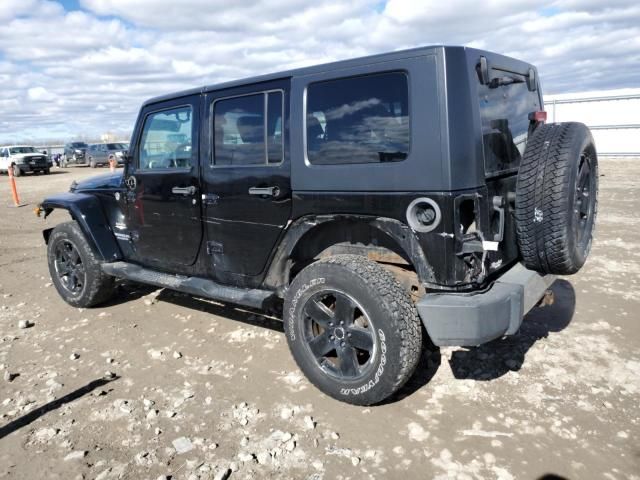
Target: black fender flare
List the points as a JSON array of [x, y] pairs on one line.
[[87, 211], [277, 274]]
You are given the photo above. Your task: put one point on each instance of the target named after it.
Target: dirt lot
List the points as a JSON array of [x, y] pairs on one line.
[[202, 390]]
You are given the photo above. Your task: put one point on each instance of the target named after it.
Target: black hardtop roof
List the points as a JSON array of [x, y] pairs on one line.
[[327, 67], [298, 72]]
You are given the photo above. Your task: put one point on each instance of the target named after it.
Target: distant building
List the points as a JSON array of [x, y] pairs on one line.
[[612, 116]]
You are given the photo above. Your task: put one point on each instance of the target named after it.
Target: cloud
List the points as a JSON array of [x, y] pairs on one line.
[[82, 72], [39, 94]]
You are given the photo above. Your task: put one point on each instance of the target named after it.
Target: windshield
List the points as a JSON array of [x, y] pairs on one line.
[[79, 145], [15, 150], [114, 146]]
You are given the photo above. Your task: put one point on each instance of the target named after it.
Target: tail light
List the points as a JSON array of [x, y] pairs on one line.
[[539, 116]]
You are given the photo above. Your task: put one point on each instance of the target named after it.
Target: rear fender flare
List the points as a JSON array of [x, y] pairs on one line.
[[87, 211], [277, 274]]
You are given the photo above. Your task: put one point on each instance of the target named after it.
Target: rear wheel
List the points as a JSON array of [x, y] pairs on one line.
[[75, 270], [352, 329]]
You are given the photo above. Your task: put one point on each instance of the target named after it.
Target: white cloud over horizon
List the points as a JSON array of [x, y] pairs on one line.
[[72, 68]]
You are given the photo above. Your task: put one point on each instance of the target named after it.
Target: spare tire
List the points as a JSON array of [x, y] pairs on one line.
[[556, 198]]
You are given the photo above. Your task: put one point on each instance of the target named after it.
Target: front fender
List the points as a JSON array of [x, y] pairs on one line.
[[87, 211]]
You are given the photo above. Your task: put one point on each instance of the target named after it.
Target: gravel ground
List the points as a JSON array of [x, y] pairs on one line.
[[203, 390]]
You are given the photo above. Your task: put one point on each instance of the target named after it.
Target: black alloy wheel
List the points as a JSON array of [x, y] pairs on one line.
[[339, 335], [585, 204], [352, 328], [69, 267], [75, 269]]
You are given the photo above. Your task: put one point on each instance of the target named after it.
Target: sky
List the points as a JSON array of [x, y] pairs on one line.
[[80, 68]]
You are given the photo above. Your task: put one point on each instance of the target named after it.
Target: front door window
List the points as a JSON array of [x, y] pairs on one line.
[[166, 139]]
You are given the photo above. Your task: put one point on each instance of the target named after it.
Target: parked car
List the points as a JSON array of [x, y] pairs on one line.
[[24, 158], [372, 202], [99, 153], [74, 152]]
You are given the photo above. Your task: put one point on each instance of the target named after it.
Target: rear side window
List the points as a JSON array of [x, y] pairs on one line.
[[248, 130], [504, 114], [358, 120]]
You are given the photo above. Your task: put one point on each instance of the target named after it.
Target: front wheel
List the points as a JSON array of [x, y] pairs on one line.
[[75, 270], [352, 329], [16, 171]]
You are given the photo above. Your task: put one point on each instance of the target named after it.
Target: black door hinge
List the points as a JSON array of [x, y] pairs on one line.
[[213, 247]]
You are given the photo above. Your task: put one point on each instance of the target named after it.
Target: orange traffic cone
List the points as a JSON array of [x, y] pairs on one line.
[[12, 183]]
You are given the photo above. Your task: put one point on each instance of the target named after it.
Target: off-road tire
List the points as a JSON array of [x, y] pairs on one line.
[[393, 316], [554, 235], [92, 163], [98, 287], [47, 171], [16, 171]]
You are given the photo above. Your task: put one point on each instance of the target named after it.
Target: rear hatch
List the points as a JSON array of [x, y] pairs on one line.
[[508, 96], [507, 99]]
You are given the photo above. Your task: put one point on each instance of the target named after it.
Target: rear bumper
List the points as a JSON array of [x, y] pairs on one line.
[[457, 319]]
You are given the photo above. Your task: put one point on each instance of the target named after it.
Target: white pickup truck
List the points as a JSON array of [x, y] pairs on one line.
[[24, 159]]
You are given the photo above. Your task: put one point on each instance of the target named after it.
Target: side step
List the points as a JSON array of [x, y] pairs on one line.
[[193, 285]]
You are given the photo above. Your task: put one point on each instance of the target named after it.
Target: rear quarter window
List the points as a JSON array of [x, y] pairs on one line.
[[361, 119]]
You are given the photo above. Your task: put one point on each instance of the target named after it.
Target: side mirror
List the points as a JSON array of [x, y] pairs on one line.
[[127, 160]]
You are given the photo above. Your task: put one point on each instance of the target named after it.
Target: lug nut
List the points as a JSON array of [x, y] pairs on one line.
[[341, 322], [349, 334], [342, 344], [331, 337], [331, 324]]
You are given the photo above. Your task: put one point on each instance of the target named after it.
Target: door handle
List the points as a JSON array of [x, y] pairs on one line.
[[265, 191], [191, 190]]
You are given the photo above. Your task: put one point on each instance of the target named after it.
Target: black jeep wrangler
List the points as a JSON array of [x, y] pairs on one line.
[[375, 201]]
